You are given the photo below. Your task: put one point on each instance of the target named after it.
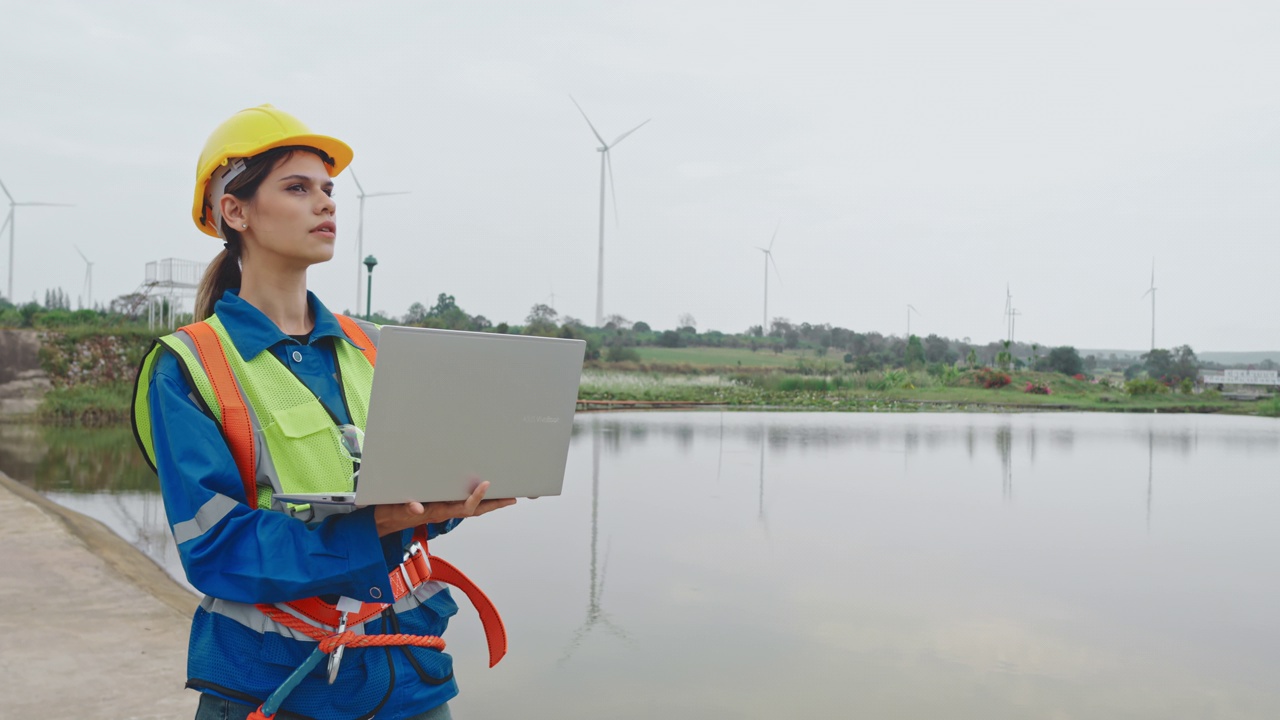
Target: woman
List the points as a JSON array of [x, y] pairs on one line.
[[269, 395]]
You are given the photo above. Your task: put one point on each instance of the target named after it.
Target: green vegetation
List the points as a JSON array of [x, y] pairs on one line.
[[92, 355], [1269, 408]]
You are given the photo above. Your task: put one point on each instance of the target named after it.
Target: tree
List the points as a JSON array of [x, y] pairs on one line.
[[1065, 360], [914, 356], [935, 348], [972, 359], [670, 339], [444, 303], [688, 323], [617, 321], [641, 327], [542, 313], [417, 313]]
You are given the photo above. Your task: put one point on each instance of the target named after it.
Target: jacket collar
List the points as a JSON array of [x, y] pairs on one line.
[[252, 332]]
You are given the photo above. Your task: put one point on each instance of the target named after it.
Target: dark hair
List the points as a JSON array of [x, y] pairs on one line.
[[223, 273]]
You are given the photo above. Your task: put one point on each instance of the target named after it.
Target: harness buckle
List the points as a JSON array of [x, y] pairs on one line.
[[346, 606]]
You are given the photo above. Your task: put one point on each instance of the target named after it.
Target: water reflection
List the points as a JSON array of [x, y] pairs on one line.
[[892, 579]]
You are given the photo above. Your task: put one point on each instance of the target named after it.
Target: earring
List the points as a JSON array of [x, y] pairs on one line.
[[244, 226]]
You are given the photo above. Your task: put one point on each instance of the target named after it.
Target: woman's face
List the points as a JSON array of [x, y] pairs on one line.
[[292, 216]]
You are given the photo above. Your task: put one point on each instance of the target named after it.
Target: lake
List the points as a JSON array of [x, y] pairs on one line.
[[871, 565]]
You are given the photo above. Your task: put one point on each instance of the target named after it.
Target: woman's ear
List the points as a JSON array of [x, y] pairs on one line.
[[234, 211]]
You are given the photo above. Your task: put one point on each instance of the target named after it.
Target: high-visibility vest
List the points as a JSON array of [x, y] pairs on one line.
[[284, 440]]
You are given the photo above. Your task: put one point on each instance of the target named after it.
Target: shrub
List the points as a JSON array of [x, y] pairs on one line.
[[1145, 386], [1037, 388], [1186, 386], [992, 379], [619, 353], [1079, 376]]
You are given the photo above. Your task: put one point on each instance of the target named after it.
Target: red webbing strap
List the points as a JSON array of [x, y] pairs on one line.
[[359, 337], [495, 633], [235, 416]]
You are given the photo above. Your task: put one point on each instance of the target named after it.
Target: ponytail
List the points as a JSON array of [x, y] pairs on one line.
[[222, 274]]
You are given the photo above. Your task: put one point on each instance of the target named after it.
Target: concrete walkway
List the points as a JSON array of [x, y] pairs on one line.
[[90, 628]]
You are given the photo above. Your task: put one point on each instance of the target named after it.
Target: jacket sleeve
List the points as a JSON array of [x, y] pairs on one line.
[[236, 552]]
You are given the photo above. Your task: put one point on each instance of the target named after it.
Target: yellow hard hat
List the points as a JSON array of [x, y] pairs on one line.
[[252, 131]]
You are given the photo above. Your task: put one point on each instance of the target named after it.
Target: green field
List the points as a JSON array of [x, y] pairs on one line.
[[721, 357]]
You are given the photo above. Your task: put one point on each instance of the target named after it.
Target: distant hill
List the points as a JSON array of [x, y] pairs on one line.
[[1222, 358]]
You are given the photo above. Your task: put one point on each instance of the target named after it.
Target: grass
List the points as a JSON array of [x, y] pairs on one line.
[[105, 404], [898, 390]]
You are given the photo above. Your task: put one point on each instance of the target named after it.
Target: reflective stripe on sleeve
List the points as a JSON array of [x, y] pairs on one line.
[[206, 517]]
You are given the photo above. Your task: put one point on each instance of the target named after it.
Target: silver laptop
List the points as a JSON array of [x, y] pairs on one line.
[[450, 409]]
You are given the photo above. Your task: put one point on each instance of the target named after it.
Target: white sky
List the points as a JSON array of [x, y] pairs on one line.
[[921, 153]]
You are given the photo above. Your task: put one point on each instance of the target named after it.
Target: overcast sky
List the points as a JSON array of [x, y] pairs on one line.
[[922, 153]]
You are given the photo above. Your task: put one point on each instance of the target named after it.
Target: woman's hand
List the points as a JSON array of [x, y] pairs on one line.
[[394, 518]]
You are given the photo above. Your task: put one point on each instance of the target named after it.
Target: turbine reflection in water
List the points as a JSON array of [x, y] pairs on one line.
[[595, 613]]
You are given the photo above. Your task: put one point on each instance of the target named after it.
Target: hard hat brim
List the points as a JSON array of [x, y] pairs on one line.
[[338, 151]]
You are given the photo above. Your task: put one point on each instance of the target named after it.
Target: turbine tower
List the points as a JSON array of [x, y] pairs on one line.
[[1152, 292], [768, 260], [910, 309], [361, 194], [88, 279], [605, 164], [11, 222]]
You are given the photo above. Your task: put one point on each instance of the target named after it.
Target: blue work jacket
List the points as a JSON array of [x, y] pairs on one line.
[[247, 555]]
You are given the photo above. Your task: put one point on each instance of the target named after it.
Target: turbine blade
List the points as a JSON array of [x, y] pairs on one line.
[[625, 134], [384, 194], [7, 218], [593, 127], [359, 187], [82, 257], [608, 161], [6, 191], [1146, 293], [776, 271], [43, 204]]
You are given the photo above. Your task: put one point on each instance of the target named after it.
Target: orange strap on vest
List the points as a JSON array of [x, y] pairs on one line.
[[359, 337], [419, 568], [235, 416]]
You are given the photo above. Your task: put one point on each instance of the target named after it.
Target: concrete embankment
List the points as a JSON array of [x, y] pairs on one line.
[[90, 628], [22, 382]]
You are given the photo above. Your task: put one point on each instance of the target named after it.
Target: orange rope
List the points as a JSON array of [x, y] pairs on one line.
[[330, 642]]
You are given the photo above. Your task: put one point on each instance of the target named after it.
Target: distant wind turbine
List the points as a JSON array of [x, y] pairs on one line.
[[768, 260], [88, 279], [606, 164], [1008, 317], [11, 222], [1152, 292], [361, 194], [910, 309]]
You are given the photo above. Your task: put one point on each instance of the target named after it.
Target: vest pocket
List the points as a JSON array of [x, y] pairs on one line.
[[302, 420]]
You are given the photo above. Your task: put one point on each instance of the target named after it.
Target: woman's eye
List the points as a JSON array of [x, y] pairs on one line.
[[297, 187]]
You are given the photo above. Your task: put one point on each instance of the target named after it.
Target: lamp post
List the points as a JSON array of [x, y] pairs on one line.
[[369, 262]]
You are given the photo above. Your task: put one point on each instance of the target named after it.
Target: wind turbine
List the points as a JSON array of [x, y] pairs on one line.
[[1152, 292], [1008, 317], [768, 259], [88, 279], [11, 222], [910, 309], [361, 194], [605, 164]]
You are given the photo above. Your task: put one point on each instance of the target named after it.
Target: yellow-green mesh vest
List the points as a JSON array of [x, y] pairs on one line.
[[297, 445]]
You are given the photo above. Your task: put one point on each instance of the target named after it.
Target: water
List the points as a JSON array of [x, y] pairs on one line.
[[880, 566]]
